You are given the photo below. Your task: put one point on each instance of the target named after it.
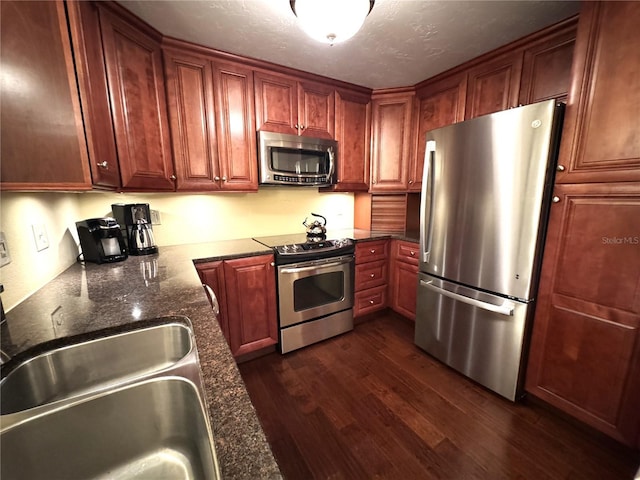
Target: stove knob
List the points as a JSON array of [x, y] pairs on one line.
[[294, 247], [285, 248]]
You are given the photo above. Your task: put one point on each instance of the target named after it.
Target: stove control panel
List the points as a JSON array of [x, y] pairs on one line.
[[315, 246]]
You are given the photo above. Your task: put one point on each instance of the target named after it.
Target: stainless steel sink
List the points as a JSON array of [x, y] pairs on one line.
[[151, 429], [97, 364]]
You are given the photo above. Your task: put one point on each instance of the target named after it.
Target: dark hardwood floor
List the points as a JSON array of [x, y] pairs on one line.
[[370, 404]]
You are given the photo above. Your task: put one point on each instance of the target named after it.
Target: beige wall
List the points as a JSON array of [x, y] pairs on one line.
[[185, 219]]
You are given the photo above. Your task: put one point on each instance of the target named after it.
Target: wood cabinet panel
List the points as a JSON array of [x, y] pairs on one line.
[[236, 133], [391, 140], [439, 104], [370, 300], [43, 142], [212, 274], [276, 103], [192, 119], [585, 348], [370, 274], [546, 70], [494, 85], [84, 26], [353, 133], [403, 288], [601, 137], [371, 251], [251, 302], [316, 116], [138, 104]]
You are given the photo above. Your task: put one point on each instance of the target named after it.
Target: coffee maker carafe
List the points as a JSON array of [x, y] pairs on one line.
[[135, 221]]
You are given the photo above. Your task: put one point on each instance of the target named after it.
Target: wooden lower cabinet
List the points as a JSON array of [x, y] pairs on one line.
[[246, 292], [403, 283], [585, 349], [371, 277]]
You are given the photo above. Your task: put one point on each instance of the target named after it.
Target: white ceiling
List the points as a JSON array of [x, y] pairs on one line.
[[401, 43]]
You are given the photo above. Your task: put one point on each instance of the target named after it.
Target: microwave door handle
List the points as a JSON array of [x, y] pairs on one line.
[[331, 161], [428, 195]]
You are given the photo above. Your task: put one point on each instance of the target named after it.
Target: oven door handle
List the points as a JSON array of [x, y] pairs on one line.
[[315, 267]]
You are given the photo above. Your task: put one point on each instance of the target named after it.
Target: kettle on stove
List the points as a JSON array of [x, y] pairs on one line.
[[316, 228], [141, 241]]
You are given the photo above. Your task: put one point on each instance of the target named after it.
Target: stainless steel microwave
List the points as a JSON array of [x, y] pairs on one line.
[[295, 160]]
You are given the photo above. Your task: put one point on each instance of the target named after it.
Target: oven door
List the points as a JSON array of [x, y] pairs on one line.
[[314, 289]]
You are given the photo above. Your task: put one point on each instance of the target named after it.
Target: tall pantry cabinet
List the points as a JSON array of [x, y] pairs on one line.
[[585, 350]]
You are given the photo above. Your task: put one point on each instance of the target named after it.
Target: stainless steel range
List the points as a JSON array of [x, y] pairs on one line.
[[315, 288]]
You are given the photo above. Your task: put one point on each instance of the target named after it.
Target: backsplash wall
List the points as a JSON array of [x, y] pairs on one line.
[[186, 218]]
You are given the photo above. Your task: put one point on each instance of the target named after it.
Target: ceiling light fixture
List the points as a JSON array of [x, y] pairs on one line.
[[331, 21]]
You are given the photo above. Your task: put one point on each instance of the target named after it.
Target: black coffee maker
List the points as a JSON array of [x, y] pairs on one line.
[[101, 240], [135, 222]]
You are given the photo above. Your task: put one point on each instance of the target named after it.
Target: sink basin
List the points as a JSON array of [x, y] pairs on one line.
[[94, 365], [151, 429]]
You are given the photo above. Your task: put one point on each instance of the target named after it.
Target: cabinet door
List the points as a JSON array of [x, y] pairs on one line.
[[236, 127], [189, 81], [601, 137], [43, 142], [585, 349], [440, 103], [276, 103], [251, 303], [84, 25], [546, 71], [404, 288], [353, 133], [493, 86], [212, 274], [138, 104], [392, 130], [316, 110]]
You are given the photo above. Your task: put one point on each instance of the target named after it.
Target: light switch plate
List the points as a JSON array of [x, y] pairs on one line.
[[40, 236], [155, 217], [5, 256]]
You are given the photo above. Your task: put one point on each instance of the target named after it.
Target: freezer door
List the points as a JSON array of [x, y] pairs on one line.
[[477, 334], [485, 198]]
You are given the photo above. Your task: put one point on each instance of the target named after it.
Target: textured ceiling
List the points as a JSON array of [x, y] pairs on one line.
[[401, 43]]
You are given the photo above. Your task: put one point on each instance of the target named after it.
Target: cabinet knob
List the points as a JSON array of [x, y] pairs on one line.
[[104, 164], [273, 264], [216, 178], [560, 168], [555, 199], [224, 179], [371, 302], [410, 182], [373, 181], [296, 126], [373, 275], [173, 177], [373, 251], [412, 254]]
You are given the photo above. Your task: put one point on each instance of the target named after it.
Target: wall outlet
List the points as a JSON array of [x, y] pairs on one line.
[[40, 236], [5, 256], [155, 217]]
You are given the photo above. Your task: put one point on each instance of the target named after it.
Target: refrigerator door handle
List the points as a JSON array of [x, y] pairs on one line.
[[426, 231], [506, 308]]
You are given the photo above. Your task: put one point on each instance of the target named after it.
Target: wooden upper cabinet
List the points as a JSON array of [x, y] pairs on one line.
[[546, 69], [440, 103], [494, 85], [601, 137], [42, 138], [353, 133], [585, 349], [138, 105], [84, 25], [189, 81], [288, 105], [391, 141], [233, 85]]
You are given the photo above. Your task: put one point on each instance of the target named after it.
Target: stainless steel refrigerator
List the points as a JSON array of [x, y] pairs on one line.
[[485, 199]]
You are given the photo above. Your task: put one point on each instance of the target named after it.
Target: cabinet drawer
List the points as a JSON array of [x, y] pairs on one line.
[[371, 274], [371, 251], [370, 300], [406, 252]]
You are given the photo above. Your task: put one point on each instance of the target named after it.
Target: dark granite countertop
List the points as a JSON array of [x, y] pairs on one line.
[[91, 297]]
